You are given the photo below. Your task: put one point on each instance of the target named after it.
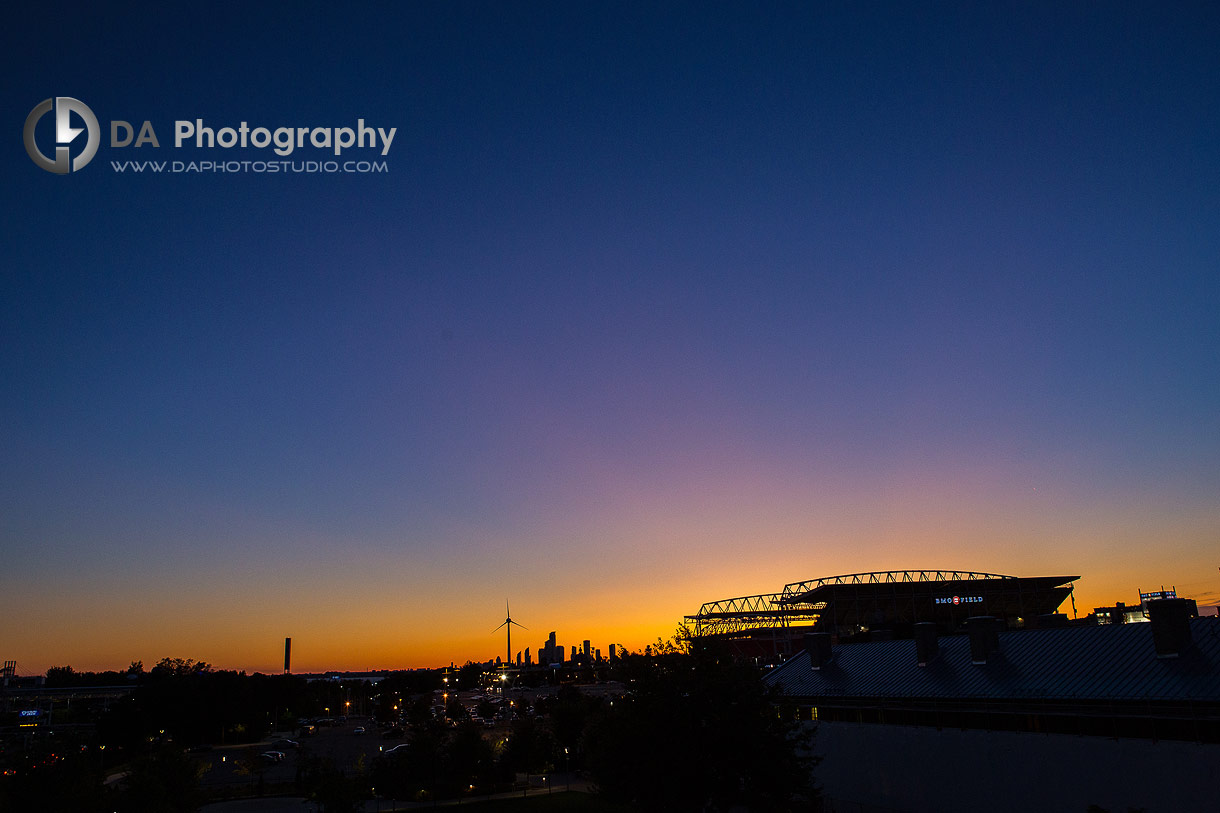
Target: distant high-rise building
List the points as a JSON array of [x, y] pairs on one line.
[[574, 651], [527, 656], [550, 652], [612, 655], [585, 648]]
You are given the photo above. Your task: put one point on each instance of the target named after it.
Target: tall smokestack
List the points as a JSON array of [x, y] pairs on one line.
[[287, 655]]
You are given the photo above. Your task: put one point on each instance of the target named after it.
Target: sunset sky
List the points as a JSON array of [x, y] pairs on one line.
[[656, 304]]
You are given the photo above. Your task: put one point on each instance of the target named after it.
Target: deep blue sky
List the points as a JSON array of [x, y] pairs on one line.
[[645, 290]]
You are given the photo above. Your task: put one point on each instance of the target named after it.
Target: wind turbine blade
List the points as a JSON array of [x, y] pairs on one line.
[[501, 626]]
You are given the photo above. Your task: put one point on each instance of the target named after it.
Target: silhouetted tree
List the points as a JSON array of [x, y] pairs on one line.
[[419, 712], [467, 759], [454, 709], [699, 732], [331, 788], [60, 676], [412, 771], [252, 764], [531, 748], [202, 706], [570, 712], [73, 782], [164, 781], [467, 677], [180, 666]]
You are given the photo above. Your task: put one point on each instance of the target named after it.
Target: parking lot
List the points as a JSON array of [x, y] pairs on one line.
[[241, 770], [236, 766]]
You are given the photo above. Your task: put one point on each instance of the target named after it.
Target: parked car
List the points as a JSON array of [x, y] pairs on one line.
[[273, 756]]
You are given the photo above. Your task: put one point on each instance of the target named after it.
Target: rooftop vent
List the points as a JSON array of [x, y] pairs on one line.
[[1170, 619], [984, 637], [926, 646], [1051, 621], [817, 644]]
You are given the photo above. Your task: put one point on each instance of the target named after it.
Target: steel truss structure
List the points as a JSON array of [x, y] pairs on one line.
[[887, 577], [733, 615], [772, 623]]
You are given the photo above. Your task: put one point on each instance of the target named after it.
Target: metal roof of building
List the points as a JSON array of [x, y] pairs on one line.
[[1110, 662]]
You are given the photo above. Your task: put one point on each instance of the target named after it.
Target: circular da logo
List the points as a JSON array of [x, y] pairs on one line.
[[65, 134]]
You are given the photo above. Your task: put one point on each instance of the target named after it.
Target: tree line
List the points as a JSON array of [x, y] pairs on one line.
[[692, 730]]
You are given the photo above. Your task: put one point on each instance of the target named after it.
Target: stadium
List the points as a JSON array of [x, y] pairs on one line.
[[881, 604]]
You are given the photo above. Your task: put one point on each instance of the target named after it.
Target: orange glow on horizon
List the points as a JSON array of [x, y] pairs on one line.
[[629, 580], [348, 642]]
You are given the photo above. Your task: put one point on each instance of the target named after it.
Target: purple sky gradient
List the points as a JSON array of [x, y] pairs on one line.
[[654, 306]]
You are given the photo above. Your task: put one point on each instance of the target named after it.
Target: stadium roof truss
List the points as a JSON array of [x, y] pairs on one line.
[[737, 615], [793, 592], [775, 612]]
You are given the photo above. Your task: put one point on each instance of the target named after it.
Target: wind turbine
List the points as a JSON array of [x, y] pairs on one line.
[[508, 632]]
